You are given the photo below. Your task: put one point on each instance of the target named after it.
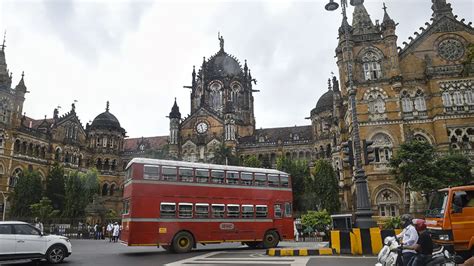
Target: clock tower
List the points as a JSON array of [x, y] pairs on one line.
[[221, 108]]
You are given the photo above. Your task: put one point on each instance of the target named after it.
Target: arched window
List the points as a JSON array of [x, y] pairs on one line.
[[66, 157], [17, 146], [114, 163], [420, 138], [371, 62], [43, 153], [387, 201], [106, 165], [447, 100], [216, 96], [57, 154], [24, 147], [2, 170], [382, 147], [376, 104], [420, 104], [105, 189], [469, 97], [4, 111], [234, 94], [458, 99], [98, 164], [112, 189], [17, 173], [407, 104]]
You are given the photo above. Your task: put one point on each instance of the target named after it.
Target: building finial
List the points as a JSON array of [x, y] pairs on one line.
[[221, 40], [22, 74], [4, 39], [384, 7], [107, 107], [329, 84]]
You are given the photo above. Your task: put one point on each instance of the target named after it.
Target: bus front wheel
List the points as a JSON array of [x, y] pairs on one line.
[[271, 239], [183, 242]]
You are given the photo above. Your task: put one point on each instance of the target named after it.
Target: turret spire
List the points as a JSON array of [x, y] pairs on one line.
[[441, 8], [107, 107], [387, 21], [175, 111], [361, 22]]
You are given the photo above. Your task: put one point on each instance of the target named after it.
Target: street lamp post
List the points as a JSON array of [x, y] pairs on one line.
[[363, 211]]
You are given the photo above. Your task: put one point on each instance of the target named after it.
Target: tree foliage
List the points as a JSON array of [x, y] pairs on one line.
[[318, 220], [298, 170], [27, 191], [224, 155], [321, 188], [44, 209], [252, 161], [415, 164], [55, 187], [80, 190]]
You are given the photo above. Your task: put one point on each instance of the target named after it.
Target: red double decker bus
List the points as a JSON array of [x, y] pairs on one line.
[[176, 205]]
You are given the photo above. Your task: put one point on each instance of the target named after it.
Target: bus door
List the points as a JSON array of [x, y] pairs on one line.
[[278, 216]]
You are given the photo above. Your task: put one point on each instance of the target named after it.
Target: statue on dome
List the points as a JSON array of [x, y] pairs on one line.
[[221, 40]]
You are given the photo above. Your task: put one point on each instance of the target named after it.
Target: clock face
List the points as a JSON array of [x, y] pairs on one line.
[[201, 127]]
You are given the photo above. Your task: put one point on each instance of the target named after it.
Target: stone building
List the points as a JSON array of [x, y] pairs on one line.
[[423, 90]]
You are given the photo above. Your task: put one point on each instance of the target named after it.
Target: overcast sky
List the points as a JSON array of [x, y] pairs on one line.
[[139, 54]]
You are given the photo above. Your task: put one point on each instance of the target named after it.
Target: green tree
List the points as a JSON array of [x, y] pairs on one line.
[[252, 161], [55, 186], [321, 188], [414, 165], [27, 191], [44, 209], [223, 155], [298, 170], [453, 169], [80, 190], [319, 220]]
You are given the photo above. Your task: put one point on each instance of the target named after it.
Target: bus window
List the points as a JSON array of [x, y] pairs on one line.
[[185, 210], [284, 180], [217, 210], [288, 209], [260, 179], [247, 211], [129, 173], [273, 181], [232, 177], [247, 179], [217, 176], [202, 175], [151, 172], [278, 213], [186, 174], [233, 210], [202, 210], [169, 173], [126, 206], [167, 210], [261, 211]]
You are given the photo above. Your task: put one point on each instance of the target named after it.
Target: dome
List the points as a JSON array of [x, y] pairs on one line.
[[106, 120], [325, 103], [223, 64]]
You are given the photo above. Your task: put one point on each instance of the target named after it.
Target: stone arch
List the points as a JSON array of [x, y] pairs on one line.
[[105, 189], [113, 188], [422, 133], [57, 153], [388, 200], [375, 92], [370, 49], [16, 174], [383, 147]]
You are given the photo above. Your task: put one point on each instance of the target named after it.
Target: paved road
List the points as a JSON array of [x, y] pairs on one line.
[[99, 252]]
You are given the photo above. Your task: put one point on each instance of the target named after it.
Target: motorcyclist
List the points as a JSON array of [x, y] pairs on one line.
[[424, 245], [409, 237]]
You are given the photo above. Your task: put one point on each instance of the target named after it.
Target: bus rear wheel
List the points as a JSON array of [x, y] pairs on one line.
[[183, 242], [271, 239]]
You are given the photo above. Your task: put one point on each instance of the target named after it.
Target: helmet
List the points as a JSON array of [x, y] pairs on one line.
[[406, 220], [420, 225]]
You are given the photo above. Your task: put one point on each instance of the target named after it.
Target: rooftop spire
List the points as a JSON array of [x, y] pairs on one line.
[[4, 38], [175, 111], [387, 21], [441, 8], [361, 22], [107, 107]]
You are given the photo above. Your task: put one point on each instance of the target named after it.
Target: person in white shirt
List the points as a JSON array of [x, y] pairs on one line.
[[116, 232], [110, 228], [409, 237], [38, 224]]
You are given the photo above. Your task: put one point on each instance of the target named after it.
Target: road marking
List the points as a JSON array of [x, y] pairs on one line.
[[253, 259]]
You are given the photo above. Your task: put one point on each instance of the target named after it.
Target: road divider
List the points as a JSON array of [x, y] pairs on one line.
[[300, 251], [359, 241]]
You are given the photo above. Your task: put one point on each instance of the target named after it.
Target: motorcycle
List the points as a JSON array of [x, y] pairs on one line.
[[391, 253]]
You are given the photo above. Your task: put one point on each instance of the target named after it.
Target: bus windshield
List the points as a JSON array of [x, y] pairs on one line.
[[437, 204]]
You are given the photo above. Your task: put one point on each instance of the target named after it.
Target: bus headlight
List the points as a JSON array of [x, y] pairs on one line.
[[444, 237]]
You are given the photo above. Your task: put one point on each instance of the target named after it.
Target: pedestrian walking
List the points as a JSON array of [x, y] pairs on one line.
[[116, 232], [110, 228], [96, 231]]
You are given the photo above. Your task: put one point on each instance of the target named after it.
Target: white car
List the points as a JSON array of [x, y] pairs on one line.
[[20, 240]]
